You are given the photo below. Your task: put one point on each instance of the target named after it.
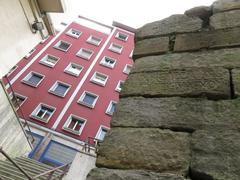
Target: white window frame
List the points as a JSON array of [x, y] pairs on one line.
[[109, 107], [80, 101], [66, 124], [102, 62], [131, 54], [120, 33], [125, 68], [100, 130], [56, 46], [38, 108], [83, 57], [30, 53], [14, 68], [19, 95], [114, 50], [69, 33], [89, 40], [71, 73], [96, 81], [28, 76], [118, 89], [54, 86], [44, 62]]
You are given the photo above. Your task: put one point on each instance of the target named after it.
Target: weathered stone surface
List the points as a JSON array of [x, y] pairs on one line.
[[225, 20], [215, 155], [143, 148], [192, 82], [172, 24], [207, 39], [236, 81], [227, 58], [151, 46], [181, 114], [113, 174], [203, 12], [225, 5]]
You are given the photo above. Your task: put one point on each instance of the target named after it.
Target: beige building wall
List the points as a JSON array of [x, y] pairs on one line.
[[12, 138], [16, 37]]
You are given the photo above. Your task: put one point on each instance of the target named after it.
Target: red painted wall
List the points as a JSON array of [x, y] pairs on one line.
[[96, 116]]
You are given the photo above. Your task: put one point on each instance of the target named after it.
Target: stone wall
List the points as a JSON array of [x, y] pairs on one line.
[[12, 137], [179, 113]]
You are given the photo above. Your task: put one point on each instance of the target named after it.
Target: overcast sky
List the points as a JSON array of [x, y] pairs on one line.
[[134, 13]]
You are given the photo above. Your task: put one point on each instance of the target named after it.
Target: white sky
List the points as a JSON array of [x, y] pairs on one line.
[[134, 13]]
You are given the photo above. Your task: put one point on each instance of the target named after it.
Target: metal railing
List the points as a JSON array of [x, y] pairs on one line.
[[91, 143], [50, 173]]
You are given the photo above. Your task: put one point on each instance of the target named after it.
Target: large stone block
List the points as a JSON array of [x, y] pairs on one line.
[[151, 46], [203, 12], [223, 20], [115, 174], [207, 39], [236, 81], [227, 58], [215, 155], [149, 149], [225, 5], [179, 114], [190, 82], [173, 24]]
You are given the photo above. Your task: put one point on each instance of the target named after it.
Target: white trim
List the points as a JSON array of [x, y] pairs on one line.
[[90, 41], [110, 107], [131, 54], [117, 46], [100, 129], [125, 68], [118, 88], [30, 53], [67, 105], [18, 95], [12, 70], [96, 81], [35, 58], [54, 86], [80, 101], [44, 61], [38, 108], [69, 33], [56, 46], [72, 73], [79, 53], [120, 33], [68, 121], [29, 75], [102, 62]]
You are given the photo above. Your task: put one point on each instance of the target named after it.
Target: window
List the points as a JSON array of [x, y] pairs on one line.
[[88, 99], [131, 54], [119, 86], [111, 108], [59, 89], [121, 36], [102, 133], [12, 70], [108, 62], [30, 53], [49, 60], [99, 78], [127, 69], [62, 45], [115, 48], [94, 40], [43, 112], [17, 100], [73, 69], [85, 53], [33, 79], [74, 124], [74, 33]]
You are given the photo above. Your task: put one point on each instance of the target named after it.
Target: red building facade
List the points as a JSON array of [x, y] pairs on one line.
[[69, 85]]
